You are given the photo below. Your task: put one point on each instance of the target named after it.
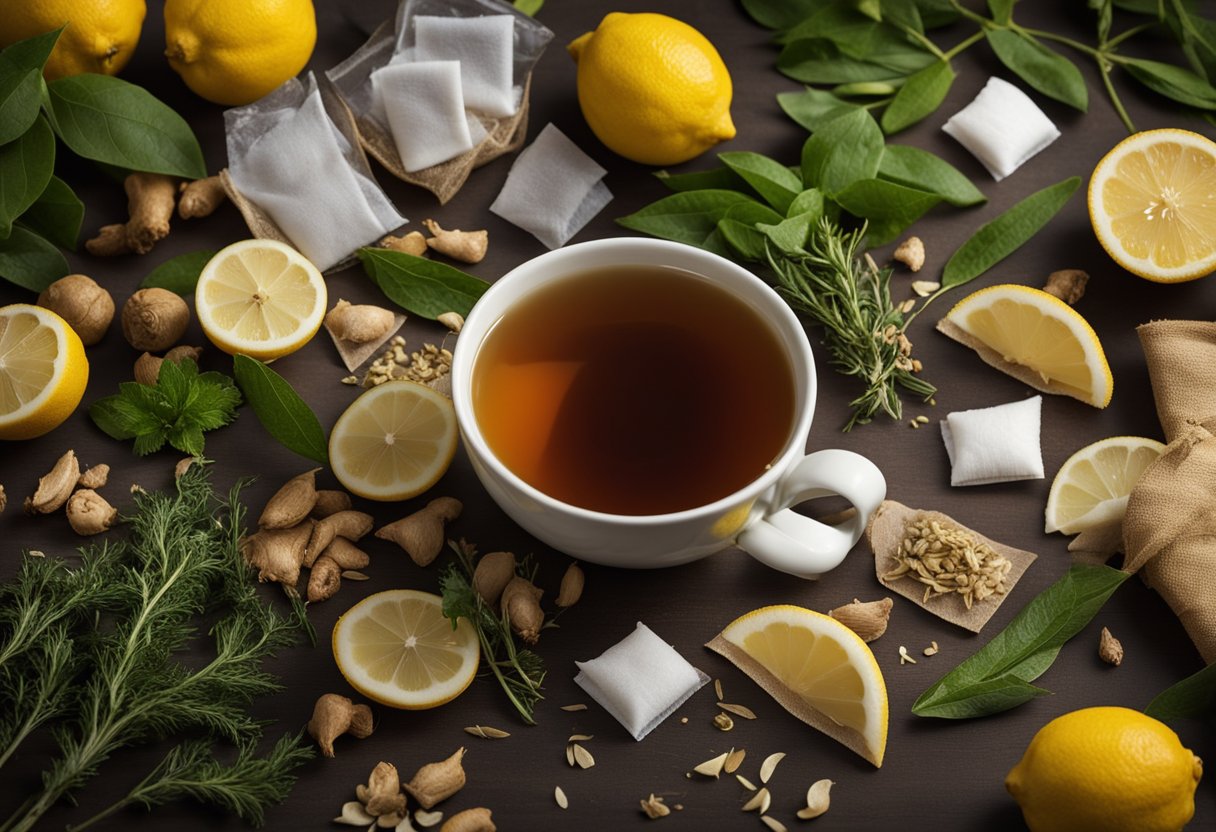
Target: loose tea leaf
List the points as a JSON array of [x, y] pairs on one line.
[[178, 274], [422, 286], [280, 409], [776, 183], [924, 171], [689, 217], [1193, 696], [26, 165], [1048, 72], [998, 677], [843, 151], [997, 239], [109, 120], [21, 83], [921, 95], [30, 261], [56, 214]]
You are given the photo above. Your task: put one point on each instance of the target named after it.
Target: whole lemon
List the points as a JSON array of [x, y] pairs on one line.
[[233, 52], [100, 36], [1105, 770], [652, 88]]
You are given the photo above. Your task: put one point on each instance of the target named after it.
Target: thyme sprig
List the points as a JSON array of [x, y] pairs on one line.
[[849, 296], [519, 671]]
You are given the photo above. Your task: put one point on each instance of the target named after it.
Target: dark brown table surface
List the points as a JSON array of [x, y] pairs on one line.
[[938, 775]]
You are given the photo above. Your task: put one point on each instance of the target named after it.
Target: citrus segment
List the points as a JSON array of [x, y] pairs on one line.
[[394, 441], [1152, 202], [1034, 337], [43, 371], [397, 648], [261, 298], [818, 664], [1091, 488]]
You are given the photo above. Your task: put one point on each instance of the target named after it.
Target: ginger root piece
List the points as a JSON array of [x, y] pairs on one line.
[[868, 619], [278, 554], [492, 574], [86, 306], [291, 503], [421, 534], [911, 252], [465, 246], [3, 499], [470, 820], [147, 366], [154, 319], [521, 602], [324, 580], [413, 243], [1067, 284], [382, 794], [454, 321], [571, 588], [111, 241], [334, 715], [96, 477], [352, 525], [344, 553], [89, 513], [55, 488], [436, 782], [330, 502], [359, 323], [151, 198], [201, 197]]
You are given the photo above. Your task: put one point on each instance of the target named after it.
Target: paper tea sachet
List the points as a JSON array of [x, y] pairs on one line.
[[289, 163], [553, 189], [483, 47], [424, 107], [995, 444], [1002, 127], [640, 680]]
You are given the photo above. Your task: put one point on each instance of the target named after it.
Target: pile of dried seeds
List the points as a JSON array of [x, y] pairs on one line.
[[948, 559], [425, 366]]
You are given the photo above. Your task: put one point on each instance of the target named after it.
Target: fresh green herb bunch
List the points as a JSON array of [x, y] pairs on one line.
[[94, 650], [875, 55]]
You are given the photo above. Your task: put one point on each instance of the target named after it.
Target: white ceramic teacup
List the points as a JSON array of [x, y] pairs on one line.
[[757, 517]]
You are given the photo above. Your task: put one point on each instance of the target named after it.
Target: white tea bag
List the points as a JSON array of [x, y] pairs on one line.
[[484, 46], [995, 444], [297, 172], [640, 680], [1002, 128], [553, 189], [425, 111]]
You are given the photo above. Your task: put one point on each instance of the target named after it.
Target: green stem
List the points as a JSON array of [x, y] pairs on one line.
[[1104, 70], [924, 41], [970, 15], [1067, 41], [969, 42], [1118, 39]]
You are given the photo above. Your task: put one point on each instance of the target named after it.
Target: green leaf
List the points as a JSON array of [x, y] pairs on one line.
[[280, 409], [1047, 71], [26, 166], [924, 171], [838, 22], [1002, 10], [178, 274], [109, 120], [986, 682], [1173, 82], [1193, 696], [776, 183], [790, 235], [1000, 237], [920, 96], [738, 229], [529, 7], [870, 8], [1153, 8], [935, 14], [889, 208], [21, 83], [421, 286], [720, 178], [813, 108], [809, 201], [56, 214], [843, 151], [691, 217], [820, 61], [1105, 16], [903, 15], [779, 14], [30, 260]]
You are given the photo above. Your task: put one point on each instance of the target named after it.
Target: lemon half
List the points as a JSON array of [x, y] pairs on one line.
[[43, 371], [397, 648], [1090, 490]]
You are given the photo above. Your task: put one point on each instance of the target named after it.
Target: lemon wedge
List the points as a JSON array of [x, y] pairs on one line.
[[1152, 204], [43, 371], [1034, 337], [819, 669], [1090, 489], [397, 648], [393, 442], [261, 298]]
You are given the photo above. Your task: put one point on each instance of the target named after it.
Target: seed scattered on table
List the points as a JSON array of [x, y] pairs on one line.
[[733, 760], [578, 706], [931, 650], [712, 768], [560, 797], [723, 722], [737, 710], [655, 808], [904, 657], [770, 765]]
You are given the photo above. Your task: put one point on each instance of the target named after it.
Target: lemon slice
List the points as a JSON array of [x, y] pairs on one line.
[[1034, 337], [816, 667], [1152, 206], [261, 298], [1090, 489], [43, 371], [393, 442], [397, 648]]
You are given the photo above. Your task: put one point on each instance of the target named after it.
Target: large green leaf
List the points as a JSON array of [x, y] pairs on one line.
[[924, 171], [821, 61], [889, 208], [776, 183], [30, 261], [814, 108], [1174, 82], [843, 151], [21, 83], [690, 217], [280, 409], [1048, 72], [109, 120], [422, 286], [56, 214], [921, 95], [26, 166]]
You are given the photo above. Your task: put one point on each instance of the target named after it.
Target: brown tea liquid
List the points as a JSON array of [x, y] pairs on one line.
[[634, 390]]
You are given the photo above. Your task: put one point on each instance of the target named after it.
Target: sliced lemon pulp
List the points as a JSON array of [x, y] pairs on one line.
[[397, 648], [1031, 329], [1091, 488], [1152, 202], [261, 298], [394, 441], [43, 371], [821, 662]]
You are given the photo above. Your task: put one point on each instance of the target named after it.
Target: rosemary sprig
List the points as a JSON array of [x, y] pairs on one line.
[[520, 672], [850, 298]]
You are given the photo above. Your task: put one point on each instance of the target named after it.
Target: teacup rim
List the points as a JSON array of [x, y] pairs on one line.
[[464, 357]]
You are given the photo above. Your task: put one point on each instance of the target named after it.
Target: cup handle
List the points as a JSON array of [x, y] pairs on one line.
[[796, 544]]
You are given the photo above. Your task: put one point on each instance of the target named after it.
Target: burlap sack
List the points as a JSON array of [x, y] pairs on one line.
[[1169, 530]]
